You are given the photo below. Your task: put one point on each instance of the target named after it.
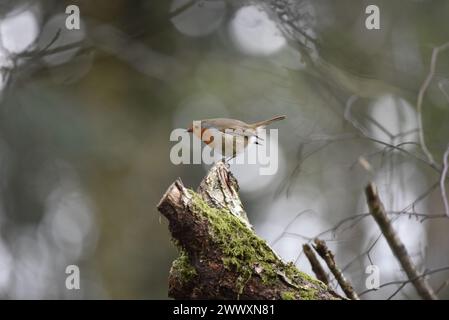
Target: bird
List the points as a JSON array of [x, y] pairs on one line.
[[229, 136]]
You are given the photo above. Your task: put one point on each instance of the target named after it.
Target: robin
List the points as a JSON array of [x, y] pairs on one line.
[[229, 136]]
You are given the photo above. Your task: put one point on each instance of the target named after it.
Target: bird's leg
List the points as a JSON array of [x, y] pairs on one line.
[[225, 161], [258, 140], [229, 159]]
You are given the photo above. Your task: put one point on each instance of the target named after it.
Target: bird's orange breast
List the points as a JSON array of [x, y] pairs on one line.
[[206, 138]]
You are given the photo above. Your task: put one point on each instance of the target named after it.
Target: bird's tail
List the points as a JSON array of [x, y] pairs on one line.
[[267, 122]]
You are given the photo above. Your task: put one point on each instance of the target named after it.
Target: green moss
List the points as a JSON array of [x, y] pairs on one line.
[[182, 267], [246, 253], [242, 249], [288, 295], [304, 293], [308, 294], [293, 273]]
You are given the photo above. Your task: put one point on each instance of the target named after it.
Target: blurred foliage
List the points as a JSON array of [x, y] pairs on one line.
[[84, 144]]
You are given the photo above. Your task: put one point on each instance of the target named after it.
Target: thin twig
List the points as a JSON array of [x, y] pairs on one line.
[[443, 181], [402, 282], [446, 95], [377, 210], [316, 265], [328, 257], [398, 290], [442, 286], [287, 227], [421, 93], [182, 8], [364, 134], [53, 40]]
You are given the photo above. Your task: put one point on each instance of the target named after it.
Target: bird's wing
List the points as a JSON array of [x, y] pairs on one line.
[[243, 133], [239, 132], [240, 129]]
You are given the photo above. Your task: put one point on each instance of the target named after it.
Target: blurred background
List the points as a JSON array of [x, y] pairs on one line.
[[86, 116]]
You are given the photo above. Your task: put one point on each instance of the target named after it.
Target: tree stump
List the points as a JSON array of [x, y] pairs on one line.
[[220, 255]]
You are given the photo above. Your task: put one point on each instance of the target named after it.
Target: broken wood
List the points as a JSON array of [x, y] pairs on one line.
[[317, 268], [398, 248], [328, 257], [220, 255]]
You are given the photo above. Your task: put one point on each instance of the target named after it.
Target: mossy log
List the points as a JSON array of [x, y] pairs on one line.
[[220, 255]]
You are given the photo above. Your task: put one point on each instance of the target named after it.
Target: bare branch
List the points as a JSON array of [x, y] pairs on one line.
[[402, 283], [442, 286], [443, 181], [358, 126], [421, 93], [182, 8], [328, 257], [398, 290], [441, 86], [377, 210], [286, 232], [316, 265]]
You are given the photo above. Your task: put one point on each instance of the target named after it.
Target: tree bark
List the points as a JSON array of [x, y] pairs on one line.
[[379, 214], [220, 255]]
